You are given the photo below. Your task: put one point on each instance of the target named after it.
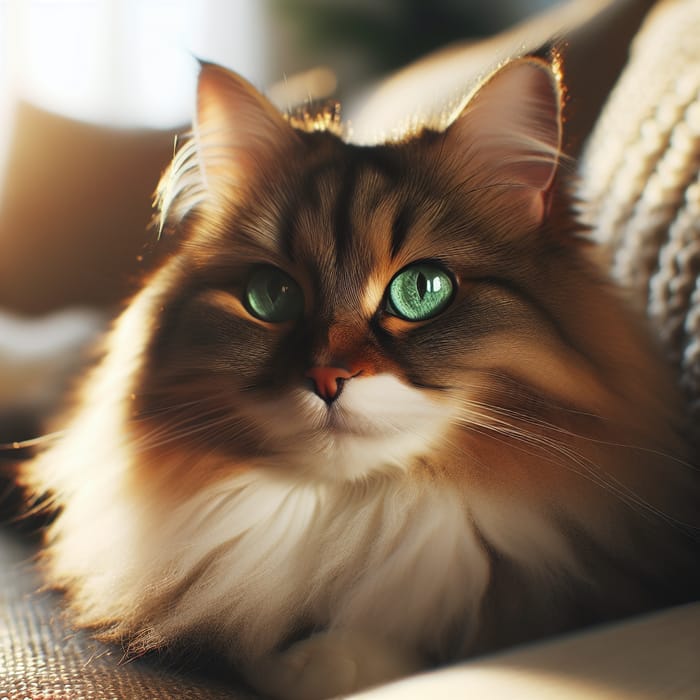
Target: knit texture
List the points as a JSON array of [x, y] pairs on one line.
[[641, 182]]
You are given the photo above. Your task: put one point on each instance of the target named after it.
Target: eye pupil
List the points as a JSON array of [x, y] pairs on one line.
[[422, 284], [419, 292]]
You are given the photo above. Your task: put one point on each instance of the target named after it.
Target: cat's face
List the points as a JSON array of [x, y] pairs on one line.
[[298, 328], [337, 310]]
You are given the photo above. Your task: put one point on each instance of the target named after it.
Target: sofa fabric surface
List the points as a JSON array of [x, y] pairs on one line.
[[42, 658]]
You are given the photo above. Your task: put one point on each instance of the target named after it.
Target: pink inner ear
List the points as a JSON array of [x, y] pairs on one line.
[[509, 133]]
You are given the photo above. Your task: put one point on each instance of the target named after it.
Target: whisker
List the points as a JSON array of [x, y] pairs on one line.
[[566, 432], [31, 442], [586, 468]]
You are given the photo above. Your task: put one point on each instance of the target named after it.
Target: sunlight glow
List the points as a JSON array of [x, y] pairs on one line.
[[128, 62]]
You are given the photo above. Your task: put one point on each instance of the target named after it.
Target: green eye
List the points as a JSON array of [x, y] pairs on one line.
[[419, 292], [272, 295]]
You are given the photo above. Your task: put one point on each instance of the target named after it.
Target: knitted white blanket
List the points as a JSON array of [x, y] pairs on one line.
[[641, 182]]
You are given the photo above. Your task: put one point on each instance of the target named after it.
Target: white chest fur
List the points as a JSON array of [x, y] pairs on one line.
[[399, 561]]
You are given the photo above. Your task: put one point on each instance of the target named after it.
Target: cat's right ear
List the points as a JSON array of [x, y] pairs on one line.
[[239, 133]]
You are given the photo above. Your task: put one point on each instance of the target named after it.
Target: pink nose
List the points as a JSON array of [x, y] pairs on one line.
[[328, 381]]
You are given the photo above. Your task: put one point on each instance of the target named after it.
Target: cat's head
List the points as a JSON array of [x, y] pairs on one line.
[[337, 309]]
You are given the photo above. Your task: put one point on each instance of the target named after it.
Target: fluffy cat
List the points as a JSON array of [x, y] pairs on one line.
[[380, 408]]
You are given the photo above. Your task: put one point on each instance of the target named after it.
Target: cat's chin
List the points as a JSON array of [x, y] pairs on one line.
[[347, 456], [378, 424]]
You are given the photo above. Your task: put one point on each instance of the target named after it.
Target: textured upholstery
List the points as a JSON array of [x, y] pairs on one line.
[[42, 658]]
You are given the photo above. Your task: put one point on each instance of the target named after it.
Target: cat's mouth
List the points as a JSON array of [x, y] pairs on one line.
[[376, 423]]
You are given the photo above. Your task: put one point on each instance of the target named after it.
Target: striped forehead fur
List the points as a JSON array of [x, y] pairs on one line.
[[183, 187]]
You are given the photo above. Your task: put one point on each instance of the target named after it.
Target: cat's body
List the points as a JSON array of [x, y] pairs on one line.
[[380, 398]]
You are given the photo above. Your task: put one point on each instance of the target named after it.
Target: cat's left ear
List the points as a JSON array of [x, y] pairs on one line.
[[508, 136]]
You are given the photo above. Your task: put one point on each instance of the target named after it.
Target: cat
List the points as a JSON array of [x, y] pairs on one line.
[[380, 409]]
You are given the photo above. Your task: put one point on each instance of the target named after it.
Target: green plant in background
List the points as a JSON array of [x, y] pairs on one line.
[[383, 36]]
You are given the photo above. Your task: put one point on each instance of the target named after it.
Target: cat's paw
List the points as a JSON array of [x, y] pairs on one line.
[[330, 665]]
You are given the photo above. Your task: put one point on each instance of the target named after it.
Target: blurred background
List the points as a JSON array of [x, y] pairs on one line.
[[129, 62]]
